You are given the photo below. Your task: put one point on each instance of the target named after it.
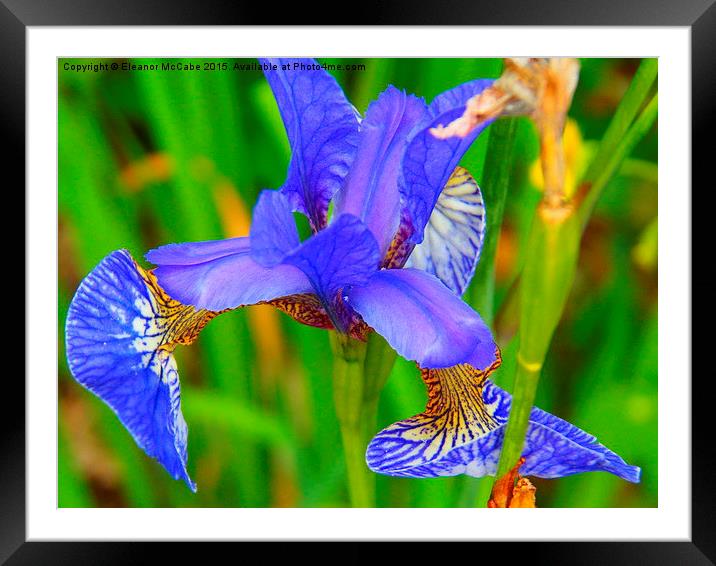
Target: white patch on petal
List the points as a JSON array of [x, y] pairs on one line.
[[145, 308], [453, 238]]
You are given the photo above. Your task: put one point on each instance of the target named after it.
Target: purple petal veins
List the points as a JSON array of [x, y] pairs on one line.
[[322, 129]]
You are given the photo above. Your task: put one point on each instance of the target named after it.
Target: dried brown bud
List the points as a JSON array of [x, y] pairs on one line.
[[540, 88], [482, 107], [506, 493], [524, 494]]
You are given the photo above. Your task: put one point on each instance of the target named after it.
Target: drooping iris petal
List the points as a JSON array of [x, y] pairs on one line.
[[422, 319], [345, 253], [273, 229], [322, 129], [556, 448], [121, 330], [453, 238], [371, 189], [455, 415], [462, 429], [428, 162], [218, 275]]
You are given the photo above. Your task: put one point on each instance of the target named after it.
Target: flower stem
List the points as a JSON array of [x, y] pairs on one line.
[[593, 187], [526, 379], [379, 361], [361, 482], [602, 164], [359, 373], [546, 281]]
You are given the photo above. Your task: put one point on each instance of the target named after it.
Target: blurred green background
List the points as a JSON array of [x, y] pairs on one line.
[[150, 157]]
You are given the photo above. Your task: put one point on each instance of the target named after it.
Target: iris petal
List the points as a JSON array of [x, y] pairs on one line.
[[121, 330], [222, 275], [422, 319], [454, 235], [322, 129], [371, 189], [428, 162], [273, 229], [194, 253], [456, 415], [343, 254], [462, 430]]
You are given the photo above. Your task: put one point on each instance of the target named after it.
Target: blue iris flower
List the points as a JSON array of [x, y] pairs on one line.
[[394, 257]]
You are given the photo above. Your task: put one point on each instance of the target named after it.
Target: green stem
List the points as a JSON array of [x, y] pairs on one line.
[[379, 361], [546, 281], [638, 130], [361, 482], [348, 384], [525, 388], [629, 106], [359, 373]]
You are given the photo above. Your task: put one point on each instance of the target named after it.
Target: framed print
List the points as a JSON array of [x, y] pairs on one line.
[[252, 239]]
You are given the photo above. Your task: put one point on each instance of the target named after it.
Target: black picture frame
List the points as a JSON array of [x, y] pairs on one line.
[[698, 15]]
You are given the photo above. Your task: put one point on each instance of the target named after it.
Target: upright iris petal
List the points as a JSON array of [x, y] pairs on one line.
[[371, 189], [428, 162], [322, 129]]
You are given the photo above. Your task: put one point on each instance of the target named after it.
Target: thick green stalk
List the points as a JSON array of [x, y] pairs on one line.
[[546, 281], [359, 373], [348, 388], [527, 376], [379, 361]]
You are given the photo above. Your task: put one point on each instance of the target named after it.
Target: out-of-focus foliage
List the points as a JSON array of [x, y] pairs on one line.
[[153, 157]]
